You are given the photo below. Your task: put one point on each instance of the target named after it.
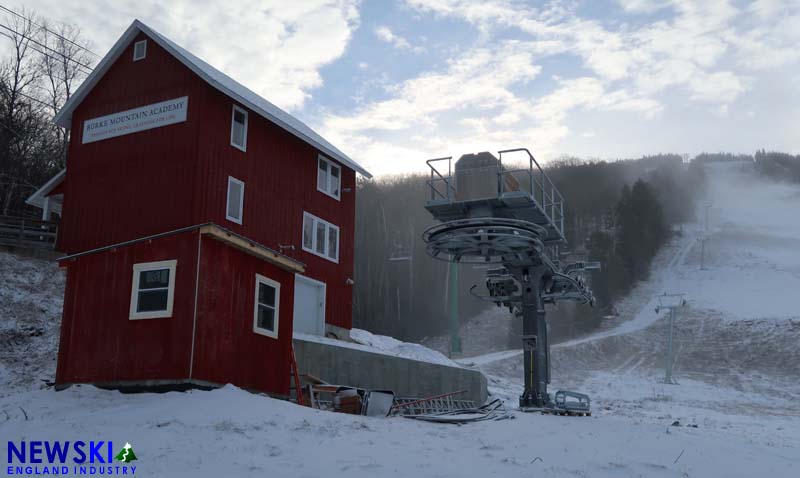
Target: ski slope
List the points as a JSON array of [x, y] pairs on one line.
[[737, 341], [666, 263]]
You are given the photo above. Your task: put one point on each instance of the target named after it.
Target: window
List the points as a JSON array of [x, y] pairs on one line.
[[235, 200], [239, 128], [139, 50], [320, 237], [153, 290], [329, 178], [265, 313]]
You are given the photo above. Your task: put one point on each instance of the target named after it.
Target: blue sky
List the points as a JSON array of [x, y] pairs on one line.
[[394, 83]]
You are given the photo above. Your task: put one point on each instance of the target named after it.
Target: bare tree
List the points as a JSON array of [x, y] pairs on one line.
[[19, 75], [47, 63], [64, 66]]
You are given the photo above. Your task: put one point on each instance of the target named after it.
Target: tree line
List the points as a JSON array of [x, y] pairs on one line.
[[45, 63], [774, 165], [778, 166], [619, 213]]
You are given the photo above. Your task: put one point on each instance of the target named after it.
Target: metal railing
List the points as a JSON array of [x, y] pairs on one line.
[[540, 187], [531, 179], [28, 232], [439, 181]]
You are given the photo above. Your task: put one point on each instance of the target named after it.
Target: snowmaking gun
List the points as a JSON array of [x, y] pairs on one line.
[[512, 218]]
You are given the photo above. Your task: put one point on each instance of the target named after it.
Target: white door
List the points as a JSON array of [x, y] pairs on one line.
[[309, 306]]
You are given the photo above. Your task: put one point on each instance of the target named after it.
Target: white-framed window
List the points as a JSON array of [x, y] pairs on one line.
[[320, 237], [139, 50], [235, 207], [239, 128], [329, 177], [153, 290], [267, 304]]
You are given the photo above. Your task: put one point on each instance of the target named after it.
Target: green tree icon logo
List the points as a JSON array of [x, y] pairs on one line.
[[126, 455]]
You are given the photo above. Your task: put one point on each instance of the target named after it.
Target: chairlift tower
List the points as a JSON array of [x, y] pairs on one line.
[[403, 251], [512, 218], [670, 302]]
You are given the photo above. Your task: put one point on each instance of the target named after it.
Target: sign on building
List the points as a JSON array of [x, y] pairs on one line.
[[135, 120]]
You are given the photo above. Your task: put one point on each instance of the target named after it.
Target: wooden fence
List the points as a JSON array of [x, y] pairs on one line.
[[27, 232]]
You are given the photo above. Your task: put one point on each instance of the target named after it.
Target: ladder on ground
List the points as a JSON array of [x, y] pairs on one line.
[[436, 404]]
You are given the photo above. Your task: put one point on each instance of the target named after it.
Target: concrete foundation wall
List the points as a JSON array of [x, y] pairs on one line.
[[348, 365]]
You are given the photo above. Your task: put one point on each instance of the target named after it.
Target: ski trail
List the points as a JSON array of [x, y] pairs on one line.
[[489, 358], [644, 317]]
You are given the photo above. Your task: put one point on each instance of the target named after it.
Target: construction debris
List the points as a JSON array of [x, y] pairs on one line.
[[436, 404], [444, 408], [353, 400], [493, 410]]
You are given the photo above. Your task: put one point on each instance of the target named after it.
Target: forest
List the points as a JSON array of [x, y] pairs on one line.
[[619, 213]]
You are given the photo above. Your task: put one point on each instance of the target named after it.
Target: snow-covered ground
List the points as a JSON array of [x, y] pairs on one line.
[[31, 297], [737, 366], [230, 432]]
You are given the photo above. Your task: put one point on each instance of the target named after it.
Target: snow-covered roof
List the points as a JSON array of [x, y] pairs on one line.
[[215, 78]]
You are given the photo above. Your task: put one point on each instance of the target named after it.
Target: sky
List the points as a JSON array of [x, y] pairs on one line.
[[395, 83]]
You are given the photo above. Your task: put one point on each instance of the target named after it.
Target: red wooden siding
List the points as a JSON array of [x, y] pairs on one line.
[[280, 176], [226, 348], [165, 178], [138, 184], [99, 343]]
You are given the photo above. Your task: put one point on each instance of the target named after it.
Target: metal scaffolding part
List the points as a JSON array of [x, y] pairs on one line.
[[511, 217]]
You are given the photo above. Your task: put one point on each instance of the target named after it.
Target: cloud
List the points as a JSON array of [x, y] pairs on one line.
[[703, 52], [475, 84], [772, 42], [643, 6], [473, 105], [685, 51], [719, 87], [385, 34], [693, 41], [275, 48], [476, 80]]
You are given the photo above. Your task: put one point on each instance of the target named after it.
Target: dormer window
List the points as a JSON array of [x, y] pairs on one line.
[[239, 128], [139, 50], [329, 178]]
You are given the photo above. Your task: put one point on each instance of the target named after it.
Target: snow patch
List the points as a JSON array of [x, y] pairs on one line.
[[392, 346], [381, 344]]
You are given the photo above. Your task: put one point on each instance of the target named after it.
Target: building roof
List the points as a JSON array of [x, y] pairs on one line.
[[213, 77], [37, 199]]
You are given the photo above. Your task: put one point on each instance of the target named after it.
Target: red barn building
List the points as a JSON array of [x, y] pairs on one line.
[[202, 225]]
